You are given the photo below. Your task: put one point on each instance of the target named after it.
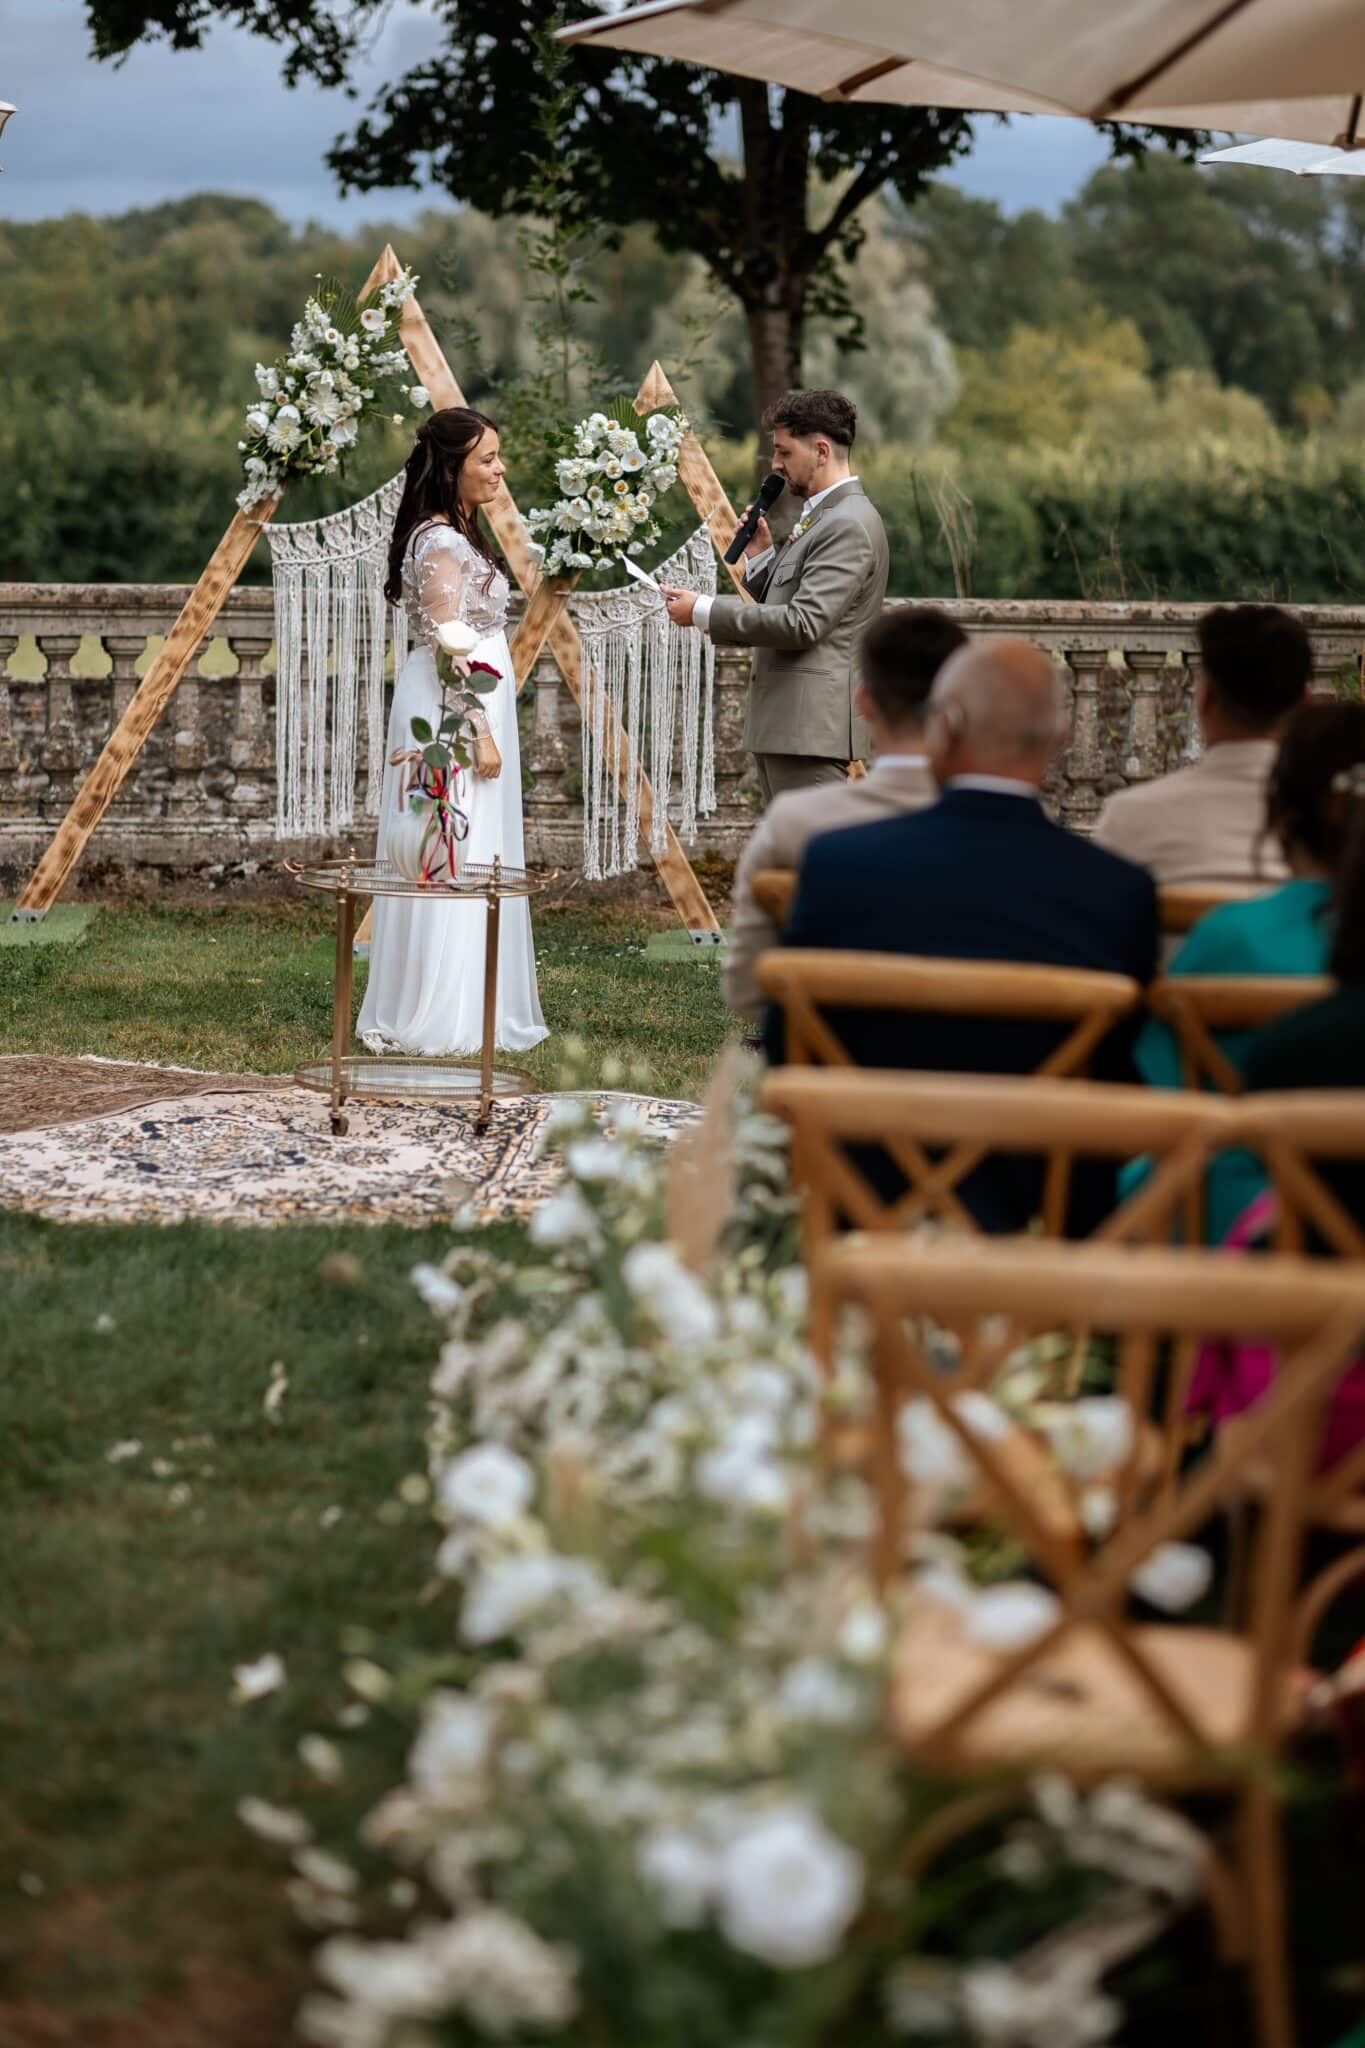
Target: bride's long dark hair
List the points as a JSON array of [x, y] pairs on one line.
[[431, 487]]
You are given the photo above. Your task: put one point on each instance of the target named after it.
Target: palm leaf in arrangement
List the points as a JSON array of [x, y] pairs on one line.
[[701, 1171], [623, 414], [339, 304]]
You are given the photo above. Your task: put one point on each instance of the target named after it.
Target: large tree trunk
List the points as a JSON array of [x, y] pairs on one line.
[[775, 255], [775, 335]]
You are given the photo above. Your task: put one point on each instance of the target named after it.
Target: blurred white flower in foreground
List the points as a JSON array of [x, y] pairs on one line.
[[438, 1292], [254, 1681], [273, 1823], [1090, 1437], [565, 1219], [509, 1591], [1011, 1616], [1174, 1576], [682, 1873], [788, 1889], [489, 1485], [931, 1452], [453, 1745], [675, 1299], [1004, 2010]]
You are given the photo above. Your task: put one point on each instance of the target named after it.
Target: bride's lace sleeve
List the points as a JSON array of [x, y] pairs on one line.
[[441, 562], [440, 559]]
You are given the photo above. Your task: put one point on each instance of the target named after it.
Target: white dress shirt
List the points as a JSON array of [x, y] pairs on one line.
[[701, 617], [997, 785]]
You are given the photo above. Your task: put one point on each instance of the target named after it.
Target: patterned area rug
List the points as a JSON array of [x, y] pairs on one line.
[[268, 1156]]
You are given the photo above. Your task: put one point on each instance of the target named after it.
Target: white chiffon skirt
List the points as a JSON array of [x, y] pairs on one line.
[[425, 991]]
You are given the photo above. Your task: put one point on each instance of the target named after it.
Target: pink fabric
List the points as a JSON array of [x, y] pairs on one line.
[[1233, 1374]]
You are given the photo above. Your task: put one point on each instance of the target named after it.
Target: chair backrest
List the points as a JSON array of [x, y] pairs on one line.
[[1197, 1006], [807, 982], [966, 1117], [1180, 906], [774, 889], [1296, 1133], [993, 1297]]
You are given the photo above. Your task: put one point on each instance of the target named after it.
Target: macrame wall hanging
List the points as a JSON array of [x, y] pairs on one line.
[[659, 680], [333, 632]]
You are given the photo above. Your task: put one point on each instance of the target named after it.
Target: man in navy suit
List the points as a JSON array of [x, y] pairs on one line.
[[984, 874]]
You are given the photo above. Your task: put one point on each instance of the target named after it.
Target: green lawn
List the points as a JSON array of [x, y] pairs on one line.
[[248, 988], [125, 1602]]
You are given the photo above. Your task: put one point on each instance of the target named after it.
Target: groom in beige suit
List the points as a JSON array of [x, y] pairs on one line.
[[809, 602]]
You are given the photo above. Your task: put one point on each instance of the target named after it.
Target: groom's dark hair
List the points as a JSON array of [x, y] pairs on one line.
[[807, 413], [902, 652]]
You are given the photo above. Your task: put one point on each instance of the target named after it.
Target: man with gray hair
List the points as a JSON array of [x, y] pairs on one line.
[[984, 874]]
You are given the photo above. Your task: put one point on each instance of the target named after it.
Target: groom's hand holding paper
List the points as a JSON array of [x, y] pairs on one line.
[[679, 604]]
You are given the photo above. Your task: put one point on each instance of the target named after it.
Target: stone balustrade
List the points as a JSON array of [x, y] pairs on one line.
[[200, 805]]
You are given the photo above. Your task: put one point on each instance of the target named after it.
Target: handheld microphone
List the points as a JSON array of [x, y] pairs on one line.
[[770, 490]]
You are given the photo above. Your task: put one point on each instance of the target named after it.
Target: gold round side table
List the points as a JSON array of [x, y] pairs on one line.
[[349, 1076]]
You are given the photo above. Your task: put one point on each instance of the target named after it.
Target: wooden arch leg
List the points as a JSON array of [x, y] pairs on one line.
[[144, 708]]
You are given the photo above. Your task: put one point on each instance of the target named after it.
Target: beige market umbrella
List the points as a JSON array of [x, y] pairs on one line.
[[828, 66], [1259, 67], [1305, 159]]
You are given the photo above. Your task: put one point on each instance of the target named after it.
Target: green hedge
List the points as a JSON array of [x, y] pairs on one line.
[[1202, 524], [133, 493]]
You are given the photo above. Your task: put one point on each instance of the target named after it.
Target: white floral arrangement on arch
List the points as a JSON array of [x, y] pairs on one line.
[[313, 401], [611, 479]]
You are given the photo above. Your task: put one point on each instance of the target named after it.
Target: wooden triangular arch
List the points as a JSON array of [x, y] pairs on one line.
[[546, 622]]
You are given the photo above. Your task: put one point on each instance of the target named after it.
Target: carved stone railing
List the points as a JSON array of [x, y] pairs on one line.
[[200, 805]]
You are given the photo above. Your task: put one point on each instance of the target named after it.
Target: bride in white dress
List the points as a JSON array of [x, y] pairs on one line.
[[425, 991]]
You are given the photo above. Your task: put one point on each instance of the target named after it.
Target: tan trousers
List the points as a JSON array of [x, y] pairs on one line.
[[779, 772]]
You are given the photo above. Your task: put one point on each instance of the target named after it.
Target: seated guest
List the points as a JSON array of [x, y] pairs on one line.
[[1203, 824], [900, 656], [984, 874], [1319, 1046], [1285, 932], [1323, 1044]]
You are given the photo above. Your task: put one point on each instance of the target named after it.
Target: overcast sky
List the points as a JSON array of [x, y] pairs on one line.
[[98, 138]]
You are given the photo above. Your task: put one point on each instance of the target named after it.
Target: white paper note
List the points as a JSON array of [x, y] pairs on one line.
[[640, 575]]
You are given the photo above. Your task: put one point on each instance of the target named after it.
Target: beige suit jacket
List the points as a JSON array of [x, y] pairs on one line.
[[1203, 826], [781, 837], [805, 617]]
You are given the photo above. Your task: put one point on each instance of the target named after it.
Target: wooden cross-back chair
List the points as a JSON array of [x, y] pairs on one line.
[[1093, 1692], [773, 890], [966, 1116], [807, 982], [1181, 905], [1198, 1006], [1297, 1134], [831, 1112]]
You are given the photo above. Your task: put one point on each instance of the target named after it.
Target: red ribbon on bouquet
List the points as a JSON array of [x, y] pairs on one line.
[[447, 824]]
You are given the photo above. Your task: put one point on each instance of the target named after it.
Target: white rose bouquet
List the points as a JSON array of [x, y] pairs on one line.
[[611, 477], [312, 402]]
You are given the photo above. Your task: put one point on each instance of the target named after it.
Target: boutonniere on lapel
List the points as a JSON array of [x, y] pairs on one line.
[[802, 526]]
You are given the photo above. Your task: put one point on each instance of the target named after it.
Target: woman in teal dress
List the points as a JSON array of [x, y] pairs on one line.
[[1288, 931]]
